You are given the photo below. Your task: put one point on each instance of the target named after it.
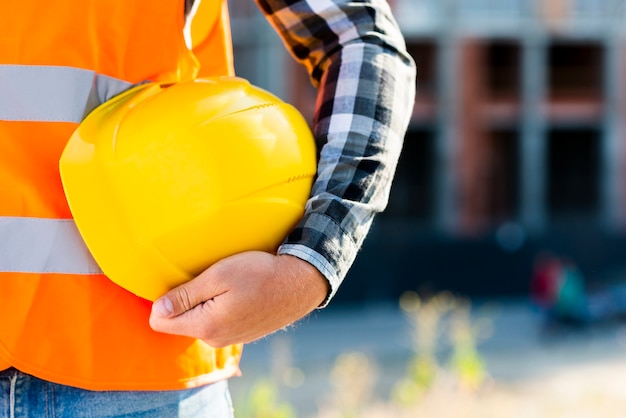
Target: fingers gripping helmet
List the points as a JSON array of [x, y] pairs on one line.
[[164, 180]]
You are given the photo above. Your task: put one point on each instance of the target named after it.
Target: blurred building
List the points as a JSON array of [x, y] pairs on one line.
[[517, 143]]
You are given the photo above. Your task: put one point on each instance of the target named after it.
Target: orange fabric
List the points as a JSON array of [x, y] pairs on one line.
[[206, 47], [86, 332], [83, 330], [29, 180]]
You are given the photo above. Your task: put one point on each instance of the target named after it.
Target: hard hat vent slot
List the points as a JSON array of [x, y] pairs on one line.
[[255, 107]]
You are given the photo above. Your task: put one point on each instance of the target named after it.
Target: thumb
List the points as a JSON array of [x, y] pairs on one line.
[[163, 307], [178, 301], [182, 310]]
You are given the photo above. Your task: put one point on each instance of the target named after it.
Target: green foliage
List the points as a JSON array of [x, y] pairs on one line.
[[431, 319], [465, 360], [262, 401], [353, 375], [469, 367]]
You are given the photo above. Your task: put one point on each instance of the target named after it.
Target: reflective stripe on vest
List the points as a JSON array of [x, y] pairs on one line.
[[34, 245], [53, 94]]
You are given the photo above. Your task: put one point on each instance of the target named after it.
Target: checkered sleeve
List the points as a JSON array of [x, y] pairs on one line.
[[356, 56]]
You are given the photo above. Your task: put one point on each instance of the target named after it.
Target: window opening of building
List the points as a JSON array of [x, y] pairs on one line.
[[412, 191], [503, 179], [573, 173], [502, 63], [575, 71]]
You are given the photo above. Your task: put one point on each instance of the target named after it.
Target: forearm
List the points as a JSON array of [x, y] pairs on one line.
[[356, 56]]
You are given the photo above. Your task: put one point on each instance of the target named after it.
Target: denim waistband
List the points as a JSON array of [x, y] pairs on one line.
[[26, 396]]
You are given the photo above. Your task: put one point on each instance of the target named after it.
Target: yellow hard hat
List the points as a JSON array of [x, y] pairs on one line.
[[164, 180]]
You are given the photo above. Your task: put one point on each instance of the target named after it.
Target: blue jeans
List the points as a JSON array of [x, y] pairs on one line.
[[25, 396]]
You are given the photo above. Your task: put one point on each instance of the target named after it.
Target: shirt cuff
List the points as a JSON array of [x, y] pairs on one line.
[[321, 241]]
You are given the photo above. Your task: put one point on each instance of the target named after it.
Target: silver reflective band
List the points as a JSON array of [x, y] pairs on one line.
[[35, 245], [53, 94]]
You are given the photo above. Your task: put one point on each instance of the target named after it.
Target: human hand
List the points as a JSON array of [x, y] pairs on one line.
[[241, 298]]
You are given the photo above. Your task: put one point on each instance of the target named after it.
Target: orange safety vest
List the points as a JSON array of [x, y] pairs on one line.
[[61, 319]]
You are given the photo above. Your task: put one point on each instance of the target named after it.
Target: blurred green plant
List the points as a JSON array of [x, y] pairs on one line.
[[465, 362], [432, 319], [353, 375], [263, 398], [262, 401]]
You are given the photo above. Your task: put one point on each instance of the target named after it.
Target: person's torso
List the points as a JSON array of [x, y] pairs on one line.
[[62, 320]]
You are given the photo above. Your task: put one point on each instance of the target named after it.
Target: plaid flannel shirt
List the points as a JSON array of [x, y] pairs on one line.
[[356, 56]]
